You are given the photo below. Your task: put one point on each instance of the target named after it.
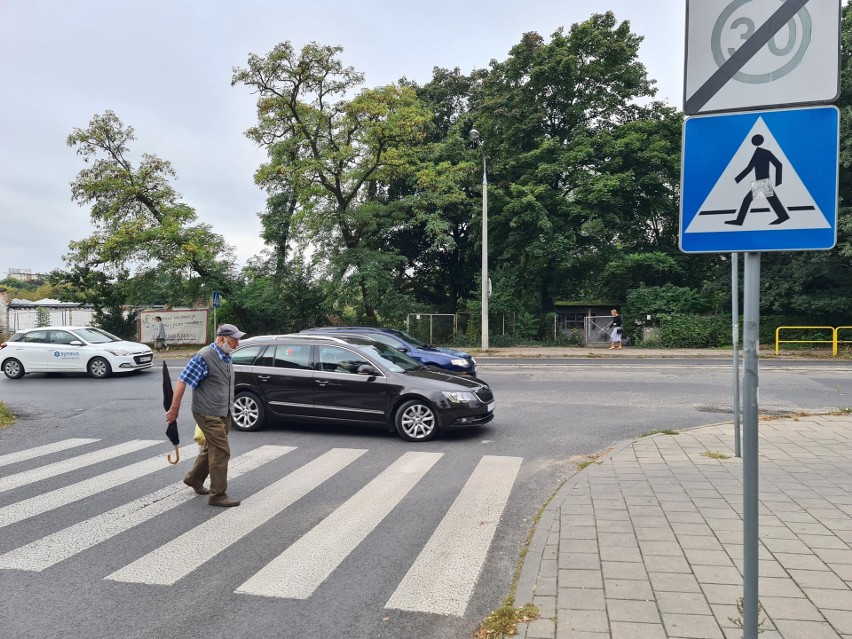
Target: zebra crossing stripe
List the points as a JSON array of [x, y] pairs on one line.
[[75, 463], [47, 449], [443, 576], [13, 513], [299, 570], [48, 551], [176, 559]]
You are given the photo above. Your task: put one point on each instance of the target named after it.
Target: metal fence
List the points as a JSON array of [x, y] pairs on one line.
[[596, 331], [441, 328], [434, 328], [18, 319]]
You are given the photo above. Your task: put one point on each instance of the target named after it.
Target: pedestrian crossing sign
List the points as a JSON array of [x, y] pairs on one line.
[[760, 181]]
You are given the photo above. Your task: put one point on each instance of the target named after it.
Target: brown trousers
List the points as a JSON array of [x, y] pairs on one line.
[[214, 456]]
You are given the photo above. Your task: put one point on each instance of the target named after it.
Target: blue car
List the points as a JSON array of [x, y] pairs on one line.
[[437, 357]]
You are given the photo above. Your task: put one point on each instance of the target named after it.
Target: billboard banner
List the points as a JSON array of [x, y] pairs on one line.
[[182, 326]]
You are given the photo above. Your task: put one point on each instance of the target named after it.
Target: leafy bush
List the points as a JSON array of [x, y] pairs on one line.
[[665, 300], [113, 320], [695, 331]]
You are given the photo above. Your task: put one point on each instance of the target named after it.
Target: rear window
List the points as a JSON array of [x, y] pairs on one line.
[[35, 337], [292, 356]]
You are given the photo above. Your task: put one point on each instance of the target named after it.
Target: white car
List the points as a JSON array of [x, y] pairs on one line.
[[71, 349]]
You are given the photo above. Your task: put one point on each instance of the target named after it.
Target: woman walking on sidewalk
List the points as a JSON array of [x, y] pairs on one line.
[[615, 325]]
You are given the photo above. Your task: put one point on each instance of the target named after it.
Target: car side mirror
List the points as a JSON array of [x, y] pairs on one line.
[[366, 369]]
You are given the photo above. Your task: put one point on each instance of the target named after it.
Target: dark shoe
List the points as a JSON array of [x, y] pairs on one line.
[[224, 502], [201, 490]]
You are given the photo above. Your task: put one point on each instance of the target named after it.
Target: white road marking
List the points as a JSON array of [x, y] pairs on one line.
[[442, 579], [50, 550], [47, 449], [299, 570], [39, 504], [169, 563], [75, 463]]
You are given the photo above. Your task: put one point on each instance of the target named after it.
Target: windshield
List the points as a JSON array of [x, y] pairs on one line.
[[410, 339], [391, 358], [96, 335]]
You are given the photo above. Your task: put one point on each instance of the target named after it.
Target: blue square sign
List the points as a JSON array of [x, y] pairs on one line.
[[760, 181]]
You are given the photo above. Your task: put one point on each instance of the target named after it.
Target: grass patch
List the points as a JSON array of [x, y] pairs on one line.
[[845, 410], [590, 459], [504, 621], [585, 464], [667, 431], [6, 416], [712, 454]]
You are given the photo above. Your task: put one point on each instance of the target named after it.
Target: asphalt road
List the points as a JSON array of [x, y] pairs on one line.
[[550, 415]]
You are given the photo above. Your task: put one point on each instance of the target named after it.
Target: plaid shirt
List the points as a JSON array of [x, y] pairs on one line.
[[196, 368]]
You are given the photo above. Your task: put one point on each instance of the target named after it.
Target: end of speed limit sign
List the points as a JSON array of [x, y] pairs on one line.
[[750, 54]]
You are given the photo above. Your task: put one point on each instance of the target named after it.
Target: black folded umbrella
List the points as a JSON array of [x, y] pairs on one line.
[[171, 429]]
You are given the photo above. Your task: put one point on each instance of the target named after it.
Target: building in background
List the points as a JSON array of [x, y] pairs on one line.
[[24, 274]]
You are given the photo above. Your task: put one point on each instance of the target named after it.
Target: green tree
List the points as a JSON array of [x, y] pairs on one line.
[[42, 316], [580, 172], [330, 158], [141, 225]]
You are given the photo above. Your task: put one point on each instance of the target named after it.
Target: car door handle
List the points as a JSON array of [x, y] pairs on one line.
[[321, 382], [264, 378]]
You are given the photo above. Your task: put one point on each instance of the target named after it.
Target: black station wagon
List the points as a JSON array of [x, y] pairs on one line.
[[354, 380]]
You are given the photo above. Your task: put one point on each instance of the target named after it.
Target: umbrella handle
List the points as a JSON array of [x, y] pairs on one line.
[[177, 455]]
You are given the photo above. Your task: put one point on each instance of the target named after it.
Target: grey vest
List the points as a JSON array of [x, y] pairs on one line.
[[215, 393]]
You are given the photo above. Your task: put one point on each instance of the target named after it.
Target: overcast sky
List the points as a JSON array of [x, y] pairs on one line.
[[164, 67]]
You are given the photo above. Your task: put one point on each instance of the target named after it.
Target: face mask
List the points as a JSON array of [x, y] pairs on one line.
[[226, 348]]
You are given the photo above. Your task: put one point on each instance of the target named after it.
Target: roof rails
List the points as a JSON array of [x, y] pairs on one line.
[[298, 336]]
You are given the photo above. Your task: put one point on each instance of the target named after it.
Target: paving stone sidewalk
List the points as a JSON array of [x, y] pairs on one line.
[[648, 543]]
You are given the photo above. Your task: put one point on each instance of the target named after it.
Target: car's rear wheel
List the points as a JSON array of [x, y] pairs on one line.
[[13, 368], [247, 413], [99, 368], [416, 421]]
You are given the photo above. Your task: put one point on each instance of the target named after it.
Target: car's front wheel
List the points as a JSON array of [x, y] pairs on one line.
[[416, 421], [13, 368], [247, 413], [99, 368]]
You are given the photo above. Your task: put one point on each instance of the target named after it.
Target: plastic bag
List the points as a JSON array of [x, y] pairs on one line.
[[199, 436]]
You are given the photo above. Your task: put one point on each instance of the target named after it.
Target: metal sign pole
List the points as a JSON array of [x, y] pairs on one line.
[[735, 327], [751, 316]]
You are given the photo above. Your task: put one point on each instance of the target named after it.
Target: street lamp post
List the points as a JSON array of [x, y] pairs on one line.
[[476, 138]]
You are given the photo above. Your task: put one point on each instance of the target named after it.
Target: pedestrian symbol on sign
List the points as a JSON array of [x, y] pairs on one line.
[[762, 187], [761, 208]]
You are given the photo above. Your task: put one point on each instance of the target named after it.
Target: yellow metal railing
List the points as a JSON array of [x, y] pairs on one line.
[[832, 341], [837, 339]]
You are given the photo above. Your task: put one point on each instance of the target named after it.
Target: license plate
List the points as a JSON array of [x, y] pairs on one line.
[[490, 407], [145, 358]]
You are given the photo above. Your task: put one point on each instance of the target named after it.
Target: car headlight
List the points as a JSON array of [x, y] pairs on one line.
[[459, 362], [117, 352], [459, 397]]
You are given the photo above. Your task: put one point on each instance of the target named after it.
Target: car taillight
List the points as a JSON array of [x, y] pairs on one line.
[[3, 345]]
